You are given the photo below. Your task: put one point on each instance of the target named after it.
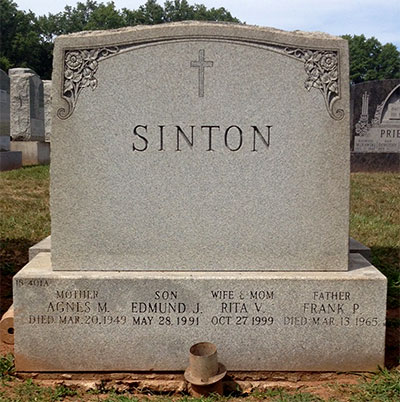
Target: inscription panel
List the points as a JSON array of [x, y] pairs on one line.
[[273, 321]]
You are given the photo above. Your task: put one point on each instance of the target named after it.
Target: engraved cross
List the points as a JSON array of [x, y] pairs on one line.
[[201, 64]]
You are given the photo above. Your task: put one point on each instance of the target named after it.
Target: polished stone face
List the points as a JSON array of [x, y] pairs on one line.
[[375, 120], [200, 147], [4, 111]]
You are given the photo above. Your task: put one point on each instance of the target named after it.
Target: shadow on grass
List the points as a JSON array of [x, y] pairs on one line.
[[14, 254], [386, 259]]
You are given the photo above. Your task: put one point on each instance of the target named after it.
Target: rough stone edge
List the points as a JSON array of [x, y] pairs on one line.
[[313, 34], [107, 44]]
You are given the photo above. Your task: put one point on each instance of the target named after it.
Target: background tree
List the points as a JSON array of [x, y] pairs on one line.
[[370, 60], [27, 40]]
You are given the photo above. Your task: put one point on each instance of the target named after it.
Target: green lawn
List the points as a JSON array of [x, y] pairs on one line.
[[375, 222]]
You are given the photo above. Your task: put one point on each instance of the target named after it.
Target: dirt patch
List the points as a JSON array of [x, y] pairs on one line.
[[243, 384]]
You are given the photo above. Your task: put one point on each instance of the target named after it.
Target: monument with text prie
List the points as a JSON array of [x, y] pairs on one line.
[[199, 192]]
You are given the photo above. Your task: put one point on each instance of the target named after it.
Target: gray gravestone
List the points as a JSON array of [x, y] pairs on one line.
[[47, 109], [27, 109], [4, 112], [376, 116], [8, 159], [228, 152], [199, 192], [375, 124]]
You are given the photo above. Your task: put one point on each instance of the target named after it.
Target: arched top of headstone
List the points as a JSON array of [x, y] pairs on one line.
[[391, 107], [320, 54], [20, 70]]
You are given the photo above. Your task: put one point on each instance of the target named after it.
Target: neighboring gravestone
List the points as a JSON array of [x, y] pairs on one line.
[[199, 189], [376, 124], [4, 112], [27, 113], [8, 160], [47, 109], [27, 117]]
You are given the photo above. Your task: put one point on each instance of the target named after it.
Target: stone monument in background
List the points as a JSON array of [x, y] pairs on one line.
[[199, 192], [27, 117], [8, 159], [375, 125], [47, 109]]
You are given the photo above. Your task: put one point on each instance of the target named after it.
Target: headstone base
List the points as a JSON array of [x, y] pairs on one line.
[[10, 160], [4, 142], [44, 246], [33, 152], [354, 247], [147, 321]]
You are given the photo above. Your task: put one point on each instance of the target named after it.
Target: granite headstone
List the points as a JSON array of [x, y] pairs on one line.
[[8, 159], [27, 113], [199, 192], [47, 109], [4, 112], [224, 155], [376, 116], [375, 125]]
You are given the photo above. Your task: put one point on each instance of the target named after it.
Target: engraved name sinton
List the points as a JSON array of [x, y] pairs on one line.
[[205, 138]]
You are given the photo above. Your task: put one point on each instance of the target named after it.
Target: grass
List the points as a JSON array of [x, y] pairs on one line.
[[6, 366], [375, 222], [382, 387], [25, 204], [29, 391], [25, 220]]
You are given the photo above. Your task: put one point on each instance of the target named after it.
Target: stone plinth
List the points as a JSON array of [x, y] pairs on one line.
[[44, 246], [359, 248], [33, 152], [133, 321], [10, 160]]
